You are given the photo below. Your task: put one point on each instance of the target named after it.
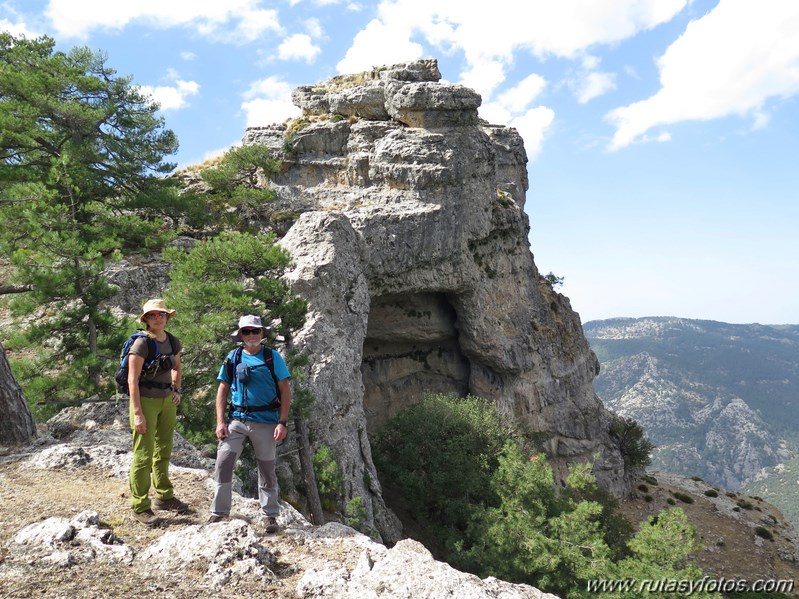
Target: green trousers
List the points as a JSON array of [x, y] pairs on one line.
[[151, 452]]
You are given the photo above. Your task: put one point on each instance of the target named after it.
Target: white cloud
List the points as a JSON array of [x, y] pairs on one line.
[[376, 45], [298, 46], [519, 97], [513, 108], [487, 36], [76, 18], [314, 28], [594, 85], [268, 102], [533, 127], [17, 29], [730, 62], [484, 76], [171, 97]]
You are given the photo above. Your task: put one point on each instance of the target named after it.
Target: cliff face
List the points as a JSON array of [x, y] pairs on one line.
[[411, 248]]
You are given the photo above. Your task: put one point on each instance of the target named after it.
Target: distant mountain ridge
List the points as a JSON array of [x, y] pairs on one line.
[[719, 400]]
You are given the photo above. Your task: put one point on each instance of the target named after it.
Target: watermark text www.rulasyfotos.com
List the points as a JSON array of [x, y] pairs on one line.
[[688, 587]]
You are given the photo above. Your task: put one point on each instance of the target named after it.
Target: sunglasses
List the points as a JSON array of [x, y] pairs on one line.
[[155, 315], [250, 331]]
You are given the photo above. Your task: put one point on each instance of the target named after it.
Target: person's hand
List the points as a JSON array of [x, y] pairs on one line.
[[140, 423], [280, 432], [176, 398], [221, 431]]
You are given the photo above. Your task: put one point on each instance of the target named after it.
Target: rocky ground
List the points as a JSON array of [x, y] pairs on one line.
[[67, 531]]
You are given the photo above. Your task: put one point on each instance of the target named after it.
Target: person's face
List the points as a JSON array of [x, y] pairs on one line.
[[251, 336], [156, 319]]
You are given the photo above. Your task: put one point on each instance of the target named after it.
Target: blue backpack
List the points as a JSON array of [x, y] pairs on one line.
[[155, 361], [239, 374]]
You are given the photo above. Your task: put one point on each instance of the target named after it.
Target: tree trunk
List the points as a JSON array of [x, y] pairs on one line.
[[306, 461], [16, 425]]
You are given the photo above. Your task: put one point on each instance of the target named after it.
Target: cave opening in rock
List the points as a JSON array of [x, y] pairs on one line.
[[411, 350]]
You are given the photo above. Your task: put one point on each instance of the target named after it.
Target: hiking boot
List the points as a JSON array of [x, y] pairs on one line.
[[147, 517], [173, 504], [271, 525], [215, 518]]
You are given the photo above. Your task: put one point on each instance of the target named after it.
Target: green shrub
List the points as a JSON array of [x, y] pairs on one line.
[[355, 514], [712, 493], [764, 533], [329, 478], [483, 503], [683, 497], [743, 503], [441, 453], [651, 480], [635, 448], [643, 488]]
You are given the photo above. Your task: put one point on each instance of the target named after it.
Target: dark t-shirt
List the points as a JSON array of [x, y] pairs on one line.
[[139, 348]]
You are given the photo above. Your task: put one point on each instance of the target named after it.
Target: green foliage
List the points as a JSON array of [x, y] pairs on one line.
[[685, 498], [764, 533], [712, 493], [211, 286], [487, 506], [661, 550], [441, 452], [80, 150], [355, 514], [236, 180], [553, 280], [329, 478], [635, 448]]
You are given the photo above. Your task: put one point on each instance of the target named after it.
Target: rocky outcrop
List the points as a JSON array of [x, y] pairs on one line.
[[412, 251]]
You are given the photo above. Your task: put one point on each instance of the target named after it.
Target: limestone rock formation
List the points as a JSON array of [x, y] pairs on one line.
[[411, 247]]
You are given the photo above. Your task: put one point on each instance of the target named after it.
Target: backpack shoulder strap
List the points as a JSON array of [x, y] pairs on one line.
[[270, 362], [171, 338], [152, 349], [231, 360]]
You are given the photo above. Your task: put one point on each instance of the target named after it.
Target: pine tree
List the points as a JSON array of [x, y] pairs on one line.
[[211, 286], [81, 165]]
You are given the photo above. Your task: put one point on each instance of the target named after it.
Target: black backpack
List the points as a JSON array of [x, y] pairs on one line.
[[239, 373], [154, 361]]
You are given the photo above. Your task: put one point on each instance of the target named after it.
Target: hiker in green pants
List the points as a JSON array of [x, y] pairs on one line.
[[154, 398]]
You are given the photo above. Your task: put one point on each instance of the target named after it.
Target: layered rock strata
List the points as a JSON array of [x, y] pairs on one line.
[[411, 247]]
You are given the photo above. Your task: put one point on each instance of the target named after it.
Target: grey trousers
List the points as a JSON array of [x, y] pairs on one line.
[[262, 437]]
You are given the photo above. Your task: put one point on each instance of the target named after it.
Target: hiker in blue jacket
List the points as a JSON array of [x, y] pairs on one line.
[[258, 379]]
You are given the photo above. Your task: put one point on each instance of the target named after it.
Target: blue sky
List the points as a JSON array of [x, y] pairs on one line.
[[661, 134]]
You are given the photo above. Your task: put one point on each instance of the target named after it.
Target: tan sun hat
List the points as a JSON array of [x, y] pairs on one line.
[[155, 305]]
